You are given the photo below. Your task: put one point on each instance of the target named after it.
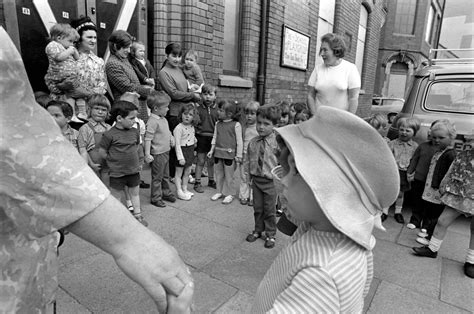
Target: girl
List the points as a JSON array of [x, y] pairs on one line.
[[249, 126], [227, 146], [379, 122], [285, 113], [403, 149], [185, 140], [457, 195], [192, 71], [295, 108], [91, 133], [301, 117], [141, 65], [442, 134]]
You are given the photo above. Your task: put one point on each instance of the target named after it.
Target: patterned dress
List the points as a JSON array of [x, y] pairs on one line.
[[58, 71], [91, 73]]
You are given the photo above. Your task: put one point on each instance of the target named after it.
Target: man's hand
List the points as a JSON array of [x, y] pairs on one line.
[[149, 158], [182, 303]]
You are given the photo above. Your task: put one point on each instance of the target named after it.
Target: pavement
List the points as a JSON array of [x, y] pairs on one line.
[[210, 238]]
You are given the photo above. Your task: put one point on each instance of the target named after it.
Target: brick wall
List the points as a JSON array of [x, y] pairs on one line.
[[199, 24], [2, 16]]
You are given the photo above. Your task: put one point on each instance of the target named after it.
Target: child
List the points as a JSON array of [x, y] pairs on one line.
[[457, 196], [42, 98], [379, 122], [90, 134], [301, 117], [158, 143], [249, 131], [185, 140], [417, 172], [327, 266], [261, 159], [297, 108], [192, 71], [403, 149], [442, 135], [141, 65], [62, 56], [226, 146], [207, 113], [285, 113], [119, 147], [62, 113]]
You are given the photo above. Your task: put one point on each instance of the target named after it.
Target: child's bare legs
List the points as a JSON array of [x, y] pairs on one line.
[[201, 159], [185, 179], [210, 169], [178, 181], [128, 199], [219, 173], [81, 108], [398, 208], [72, 102]]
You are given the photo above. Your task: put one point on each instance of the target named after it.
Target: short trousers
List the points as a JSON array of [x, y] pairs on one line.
[[203, 144], [227, 162], [130, 180], [188, 153]]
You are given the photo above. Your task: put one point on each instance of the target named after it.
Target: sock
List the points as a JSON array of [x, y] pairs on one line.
[[385, 210], [398, 210], [435, 244], [470, 256]]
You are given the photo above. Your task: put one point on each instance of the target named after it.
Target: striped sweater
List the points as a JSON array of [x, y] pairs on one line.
[[317, 272]]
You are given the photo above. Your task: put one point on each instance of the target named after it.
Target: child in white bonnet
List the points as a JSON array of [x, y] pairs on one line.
[[335, 192]]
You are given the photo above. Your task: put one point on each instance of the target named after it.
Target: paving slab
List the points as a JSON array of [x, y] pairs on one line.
[[398, 265], [392, 232], [392, 298], [210, 293], [67, 304], [241, 302], [244, 266], [453, 280], [370, 295]]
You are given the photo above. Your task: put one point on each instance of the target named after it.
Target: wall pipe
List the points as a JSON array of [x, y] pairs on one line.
[[262, 57]]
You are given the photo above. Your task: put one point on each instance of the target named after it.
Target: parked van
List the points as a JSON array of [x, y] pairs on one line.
[[442, 90]]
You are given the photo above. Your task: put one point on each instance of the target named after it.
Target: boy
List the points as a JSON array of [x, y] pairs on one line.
[[204, 131], [62, 113], [335, 190], [261, 159], [119, 147], [158, 142]]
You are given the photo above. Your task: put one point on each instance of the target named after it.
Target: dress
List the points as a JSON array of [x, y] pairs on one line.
[[459, 183], [91, 73], [317, 272], [332, 83], [58, 71]]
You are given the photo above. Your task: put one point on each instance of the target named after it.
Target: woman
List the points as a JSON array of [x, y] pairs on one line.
[[120, 74], [174, 83], [336, 82]]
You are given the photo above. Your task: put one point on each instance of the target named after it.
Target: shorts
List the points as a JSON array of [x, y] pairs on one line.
[[188, 153], [203, 144], [227, 162], [130, 180], [404, 184]]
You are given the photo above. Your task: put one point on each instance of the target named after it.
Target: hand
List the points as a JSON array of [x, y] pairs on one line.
[[182, 162], [173, 142], [95, 167], [150, 81], [238, 160], [209, 155], [183, 302], [149, 158], [196, 96]]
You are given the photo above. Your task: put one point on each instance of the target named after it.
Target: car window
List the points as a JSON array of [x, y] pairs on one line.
[[451, 96]]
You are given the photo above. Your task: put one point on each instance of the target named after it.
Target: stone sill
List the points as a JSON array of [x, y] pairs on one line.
[[234, 81], [404, 35]]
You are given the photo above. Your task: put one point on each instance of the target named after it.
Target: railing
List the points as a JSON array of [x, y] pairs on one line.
[[432, 59]]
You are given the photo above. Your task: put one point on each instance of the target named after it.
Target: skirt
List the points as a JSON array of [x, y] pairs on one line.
[[464, 205], [188, 153]]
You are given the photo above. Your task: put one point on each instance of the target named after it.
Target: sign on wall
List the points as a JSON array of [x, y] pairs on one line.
[[294, 49]]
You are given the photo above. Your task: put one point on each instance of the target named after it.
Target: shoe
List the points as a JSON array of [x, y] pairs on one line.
[[399, 218], [144, 185], [171, 180], [188, 193], [204, 173], [423, 241], [425, 251], [422, 233], [131, 209], [140, 219], [411, 226], [383, 217], [250, 202], [253, 236], [76, 119], [216, 196], [243, 201], [198, 187], [469, 269], [279, 212], [212, 184], [158, 203], [183, 196], [191, 179], [269, 242], [169, 198], [228, 199]]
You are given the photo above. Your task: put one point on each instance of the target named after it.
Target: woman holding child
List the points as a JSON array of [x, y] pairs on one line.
[[336, 82]]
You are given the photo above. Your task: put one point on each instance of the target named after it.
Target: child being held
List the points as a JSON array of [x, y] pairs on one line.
[[158, 143], [185, 139], [62, 57], [226, 148], [90, 134], [192, 71], [249, 131], [207, 112], [261, 159], [141, 65], [62, 113], [119, 147], [403, 149], [327, 266]]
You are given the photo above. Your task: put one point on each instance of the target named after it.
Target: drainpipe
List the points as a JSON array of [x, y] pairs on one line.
[[262, 58]]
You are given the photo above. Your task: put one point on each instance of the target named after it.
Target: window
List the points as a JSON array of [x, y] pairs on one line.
[[451, 96], [432, 25], [405, 17], [232, 37], [361, 37], [325, 23]]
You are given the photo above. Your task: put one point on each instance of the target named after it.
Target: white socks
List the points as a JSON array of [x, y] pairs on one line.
[[435, 244], [470, 256]]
